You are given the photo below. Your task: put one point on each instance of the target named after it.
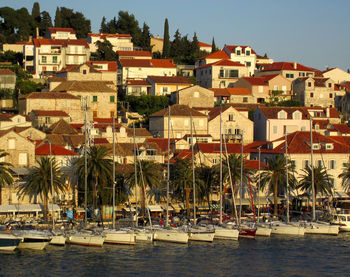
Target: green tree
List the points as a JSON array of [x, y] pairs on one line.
[[206, 183], [103, 27], [27, 86], [58, 18], [149, 175], [176, 47], [99, 170], [145, 41], [213, 46], [38, 182], [45, 23], [127, 24], [5, 175], [274, 178], [321, 181], [194, 49], [345, 176], [166, 40], [105, 51], [36, 14]]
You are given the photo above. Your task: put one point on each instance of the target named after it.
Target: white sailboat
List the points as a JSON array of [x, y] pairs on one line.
[[33, 239], [118, 236], [85, 238], [8, 241]]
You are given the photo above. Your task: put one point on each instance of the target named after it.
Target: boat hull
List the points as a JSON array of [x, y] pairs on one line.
[[170, 236], [35, 245], [119, 238], [9, 242], [247, 233], [91, 241], [58, 240], [263, 231], [289, 230], [201, 236], [143, 236], [225, 233]]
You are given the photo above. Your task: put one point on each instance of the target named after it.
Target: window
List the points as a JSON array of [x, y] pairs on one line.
[[261, 89], [282, 115], [289, 75], [111, 98], [54, 59], [332, 164], [319, 163], [238, 52], [248, 63], [44, 68], [331, 95], [231, 117], [245, 99], [196, 94], [296, 115], [237, 131], [54, 68], [316, 146], [94, 113], [275, 129], [228, 73], [43, 59], [329, 146], [165, 90], [329, 85], [301, 74], [12, 143], [311, 95], [84, 71], [294, 163], [309, 84], [247, 53], [22, 159], [306, 164], [94, 98], [215, 161]]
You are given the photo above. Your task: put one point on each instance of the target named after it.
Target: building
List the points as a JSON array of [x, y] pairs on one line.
[[7, 79], [165, 85], [180, 122], [233, 95], [134, 55], [220, 74], [242, 54], [138, 87], [8, 121], [337, 75], [52, 55], [271, 123], [120, 42], [44, 118], [194, 96], [61, 33], [315, 92], [157, 44]]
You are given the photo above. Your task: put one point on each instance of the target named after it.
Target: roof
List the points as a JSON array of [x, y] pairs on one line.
[[215, 148], [62, 42], [341, 128], [74, 141], [56, 150], [255, 81], [80, 86], [105, 35], [134, 54], [162, 63], [127, 149], [101, 141], [170, 79], [215, 112], [76, 68], [137, 83], [6, 71], [220, 55], [202, 44], [50, 113], [221, 63], [112, 66], [271, 112], [177, 110], [230, 91], [54, 30], [57, 79], [139, 132], [277, 66], [49, 95], [232, 48], [318, 82], [163, 143], [62, 127]]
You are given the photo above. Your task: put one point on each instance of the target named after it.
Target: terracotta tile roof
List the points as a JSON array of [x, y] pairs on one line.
[[159, 63], [255, 81], [230, 91], [163, 143], [5, 71], [184, 154], [108, 120], [50, 113], [56, 150], [112, 66], [169, 79], [77, 127], [202, 44], [48, 95], [73, 141], [269, 77], [105, 35], [215, 112], [18, 130], [76, 68], [81, 86], [271, 112], [62, 127], [62, 42], [101, 141], [4, 132], [134, 53], [220, 55], [177, 110], [4, 118], [322, 124], [232, 48], [57, 79], [138, 83], [139, 132], [127, 149], [341, 128], [221, 63], [287, 66], [209, 148], [54, 30]]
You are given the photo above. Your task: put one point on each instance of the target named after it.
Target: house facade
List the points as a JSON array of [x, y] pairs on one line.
[[165, 85], [119, 41], [242, 54], [194, 96]]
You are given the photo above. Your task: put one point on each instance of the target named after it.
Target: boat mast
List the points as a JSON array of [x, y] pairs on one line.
[[168, 172], [113, 213], [287, 181], [312, 175], [193, 178], [135, 170], [85, 156], [259, 148], [220, 168], [240, 199], [53, 191]]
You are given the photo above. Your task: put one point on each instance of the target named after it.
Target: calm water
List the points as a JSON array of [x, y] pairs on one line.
[[275, 256]]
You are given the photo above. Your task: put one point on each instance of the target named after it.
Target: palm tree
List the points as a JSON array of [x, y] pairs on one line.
[[321, 181], [273, 178], [99, 170], [149, 176], [345, 175], [181, 180], [38, 181], [206, 179], [5, 175]]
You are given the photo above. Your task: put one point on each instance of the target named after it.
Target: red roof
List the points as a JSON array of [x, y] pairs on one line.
[[342, 128], [271, 112], [287, 66], [50, 113], [232, 48], [104, 35], [215, 148], [56, 150], [220, 55], [48, 95], [54, 30], [221, 63], [202, 44], [101, 141], [163, 143], [112, 66], [62, 42], [6, 71], [131, 82], [230, 91], [169, 79], [134, 53], [255, 81], [162, 63]]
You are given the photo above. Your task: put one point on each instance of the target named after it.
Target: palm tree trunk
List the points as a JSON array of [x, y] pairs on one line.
[[0, 195], [187, 200], [46, 204], [95, 194], [143, 202], [275, 208]]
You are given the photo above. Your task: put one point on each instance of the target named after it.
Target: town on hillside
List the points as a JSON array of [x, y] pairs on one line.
[[143, 113]]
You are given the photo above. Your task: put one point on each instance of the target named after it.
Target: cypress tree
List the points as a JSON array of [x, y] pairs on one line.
[[58, 18], [36, 13], [166, 40], [103, 27], [213, 46], [194, 45]]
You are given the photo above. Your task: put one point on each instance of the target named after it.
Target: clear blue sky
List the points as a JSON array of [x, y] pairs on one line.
[[312, 32]]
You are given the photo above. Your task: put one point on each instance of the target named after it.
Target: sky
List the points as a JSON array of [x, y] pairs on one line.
[[314, 33]]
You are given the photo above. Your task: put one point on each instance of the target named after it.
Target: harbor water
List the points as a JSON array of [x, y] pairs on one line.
[[274, 256]]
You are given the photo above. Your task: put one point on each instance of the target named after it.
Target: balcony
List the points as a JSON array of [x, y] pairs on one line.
[[50, 52]]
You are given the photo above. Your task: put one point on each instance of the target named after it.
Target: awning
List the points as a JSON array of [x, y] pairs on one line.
[[27, 208], [19, 170], [170, 208], [155, 208], [340, 194]]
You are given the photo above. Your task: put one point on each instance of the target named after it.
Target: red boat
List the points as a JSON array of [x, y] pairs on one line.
[[246, 232]]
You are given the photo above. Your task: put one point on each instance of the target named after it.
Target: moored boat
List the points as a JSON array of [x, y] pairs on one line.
[[281, 228], [343, 220], [321, 228], [225, 233], [8, 241], [85, 238], [170, 235], [118, 236], [33, 239]]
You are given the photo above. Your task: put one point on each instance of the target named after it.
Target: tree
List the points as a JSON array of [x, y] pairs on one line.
[[206, 181], [274, 178], [36, 14], [103, 27], [213, 46], [5, 175], [166, 40], [38, 182], [127, 24], [58, 18], [176, 46], [194, 49], [45, 23], [321, 181], [345, 176], [105, 51], [99, 170], [145, 41], [149, 176]]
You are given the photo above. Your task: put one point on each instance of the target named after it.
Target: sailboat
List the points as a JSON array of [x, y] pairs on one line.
[[168, 234]]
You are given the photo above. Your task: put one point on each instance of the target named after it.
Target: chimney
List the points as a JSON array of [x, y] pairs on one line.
[[328, 114], [295, 65], [37, 32]]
